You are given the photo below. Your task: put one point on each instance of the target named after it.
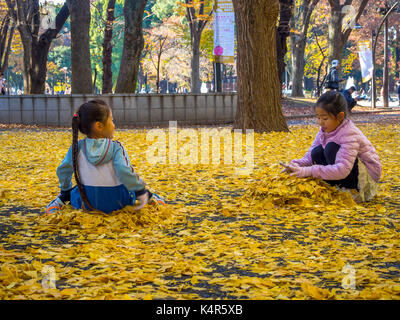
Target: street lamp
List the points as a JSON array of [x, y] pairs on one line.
[[387, 12]]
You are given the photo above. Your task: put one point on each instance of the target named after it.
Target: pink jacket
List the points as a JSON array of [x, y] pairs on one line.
[[353, 144]]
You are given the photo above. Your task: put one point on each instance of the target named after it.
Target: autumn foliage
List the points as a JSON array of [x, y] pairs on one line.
[[222, 235]]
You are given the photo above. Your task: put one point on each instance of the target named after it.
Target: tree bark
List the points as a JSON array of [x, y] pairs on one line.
[[40, 51], [195, 63], [107, 48], [259, 91], [80, 46], [335, 42], [298, 46], [298, 64], [36, 48], [7, 28], [337, 37], [283, 31], [133, 46], [196, 26], [397, 54]]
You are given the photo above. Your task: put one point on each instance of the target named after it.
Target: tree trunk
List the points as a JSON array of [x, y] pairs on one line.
[[298, 64], [27, 58], [40, 51], [196, 25], [337, 37], [80, 46], [158, 70], [259, 92], [397, 54], [298, 46], [107, 49], [7, 28], [195, 63], [19, 11], [133, 46], [36, 48], [283, 31]]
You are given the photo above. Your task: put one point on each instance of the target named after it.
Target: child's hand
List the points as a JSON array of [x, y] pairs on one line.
[[143, 199], [286, 168], [300, 172]]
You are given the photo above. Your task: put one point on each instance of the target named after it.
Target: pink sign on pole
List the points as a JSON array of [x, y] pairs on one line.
[[218, 51], [224, 25]]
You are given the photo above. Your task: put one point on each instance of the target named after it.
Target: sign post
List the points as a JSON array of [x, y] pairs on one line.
[[224, 38], [365, 56]]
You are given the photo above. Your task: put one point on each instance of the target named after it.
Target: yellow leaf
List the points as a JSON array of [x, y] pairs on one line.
[[69, 291]]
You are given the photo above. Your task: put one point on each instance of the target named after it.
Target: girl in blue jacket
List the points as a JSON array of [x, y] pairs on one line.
[[105, 178]]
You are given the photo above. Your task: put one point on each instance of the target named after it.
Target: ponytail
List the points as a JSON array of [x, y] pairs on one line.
[[83, 119], [75, 152]]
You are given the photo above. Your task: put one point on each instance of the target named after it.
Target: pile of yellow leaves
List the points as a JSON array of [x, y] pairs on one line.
[[284, 190], [125, 219], [264, 235]]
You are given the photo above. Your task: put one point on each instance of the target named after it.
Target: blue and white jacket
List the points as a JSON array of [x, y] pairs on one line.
[[106, 173]]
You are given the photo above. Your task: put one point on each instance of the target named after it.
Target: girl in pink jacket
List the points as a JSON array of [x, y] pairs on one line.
[[340, 154]]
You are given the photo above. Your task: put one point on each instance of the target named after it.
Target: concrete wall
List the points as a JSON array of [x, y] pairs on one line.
[[132, 110]]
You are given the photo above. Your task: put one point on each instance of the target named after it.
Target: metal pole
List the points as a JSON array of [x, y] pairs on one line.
[[217, 77], [373, 80], [385, 69], [8, 82], [388, 12]]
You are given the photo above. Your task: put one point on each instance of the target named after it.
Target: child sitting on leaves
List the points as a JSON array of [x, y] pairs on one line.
[[340, 155], [105, 179]]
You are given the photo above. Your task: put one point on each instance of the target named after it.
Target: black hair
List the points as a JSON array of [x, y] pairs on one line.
[[83, 120], [333, 102]]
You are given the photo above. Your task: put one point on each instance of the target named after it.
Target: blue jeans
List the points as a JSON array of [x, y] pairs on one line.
[[327, 156]]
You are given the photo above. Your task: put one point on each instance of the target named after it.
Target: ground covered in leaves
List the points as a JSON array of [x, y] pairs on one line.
[[263, 235]]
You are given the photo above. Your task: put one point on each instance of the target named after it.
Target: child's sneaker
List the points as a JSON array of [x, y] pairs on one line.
[[155, 198], [53, 206]]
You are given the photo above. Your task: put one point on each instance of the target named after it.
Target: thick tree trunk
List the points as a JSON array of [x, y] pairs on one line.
[[133, 46], [36, 47], [107, 49], [337, 37], [335, 40], [27, 58], [259, 92], [80, 47], [283, 31], [40, 51], [195, 63]]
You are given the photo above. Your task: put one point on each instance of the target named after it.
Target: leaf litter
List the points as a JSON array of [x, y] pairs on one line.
[[265, 235]]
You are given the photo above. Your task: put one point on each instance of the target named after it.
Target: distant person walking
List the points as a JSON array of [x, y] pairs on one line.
[[333, 79]]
